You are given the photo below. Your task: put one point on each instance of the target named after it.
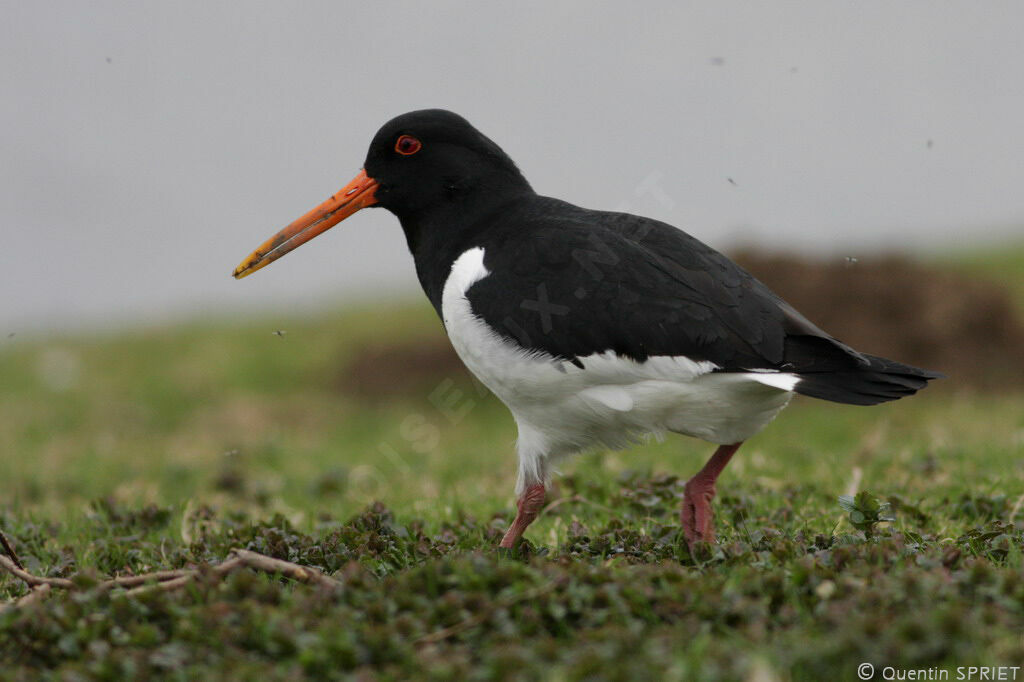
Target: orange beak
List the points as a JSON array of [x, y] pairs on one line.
[[355, 195]]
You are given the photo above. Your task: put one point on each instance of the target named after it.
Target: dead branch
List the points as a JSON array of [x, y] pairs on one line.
[[143, 578], [9, 548], [29, 579], [165, 586], [306, 574], [167, 581]]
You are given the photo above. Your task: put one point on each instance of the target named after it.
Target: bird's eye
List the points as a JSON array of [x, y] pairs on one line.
[[407, 145]]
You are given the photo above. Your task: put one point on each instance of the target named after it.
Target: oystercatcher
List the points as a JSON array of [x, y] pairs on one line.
[[595, 328]]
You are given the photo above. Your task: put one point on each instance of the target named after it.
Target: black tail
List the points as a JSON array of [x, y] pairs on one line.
[[833, 371]]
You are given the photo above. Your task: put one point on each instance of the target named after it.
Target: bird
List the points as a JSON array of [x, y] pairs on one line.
[[596, 329]]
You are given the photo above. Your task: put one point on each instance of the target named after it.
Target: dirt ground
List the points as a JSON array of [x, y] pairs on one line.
[[965, 327]]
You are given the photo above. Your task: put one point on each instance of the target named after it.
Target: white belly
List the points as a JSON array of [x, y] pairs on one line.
[[612, 401]]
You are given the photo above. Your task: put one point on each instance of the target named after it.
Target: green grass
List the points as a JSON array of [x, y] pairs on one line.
[[166, 447], [1003, 263]]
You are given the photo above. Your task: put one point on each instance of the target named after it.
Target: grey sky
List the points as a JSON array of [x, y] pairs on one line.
[[148, 147]]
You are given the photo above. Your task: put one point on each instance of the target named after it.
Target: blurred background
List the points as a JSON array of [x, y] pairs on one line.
[[148, 147], [862, 158]]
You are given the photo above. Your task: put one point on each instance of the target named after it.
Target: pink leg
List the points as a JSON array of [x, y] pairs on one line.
[[696, 515], [530, 503]]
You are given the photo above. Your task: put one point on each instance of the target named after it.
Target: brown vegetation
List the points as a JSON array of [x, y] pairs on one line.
[[923, 315]]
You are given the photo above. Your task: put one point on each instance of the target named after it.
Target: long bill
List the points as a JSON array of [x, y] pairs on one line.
[[355, 195]]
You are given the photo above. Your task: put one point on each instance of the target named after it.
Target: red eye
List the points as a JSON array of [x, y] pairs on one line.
[[407, 145]]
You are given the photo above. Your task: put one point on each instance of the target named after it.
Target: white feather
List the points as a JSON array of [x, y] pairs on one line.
[[783, 380]]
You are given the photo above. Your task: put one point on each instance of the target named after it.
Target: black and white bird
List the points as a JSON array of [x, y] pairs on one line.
[[595, 328]]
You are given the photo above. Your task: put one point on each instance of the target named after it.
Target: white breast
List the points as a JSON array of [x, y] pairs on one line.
[[612, 401]]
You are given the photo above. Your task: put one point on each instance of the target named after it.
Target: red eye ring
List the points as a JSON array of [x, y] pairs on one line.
[[407, 145]]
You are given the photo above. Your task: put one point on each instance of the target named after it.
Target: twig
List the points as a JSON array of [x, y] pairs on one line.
[[32, 580], [166, 581], [143, 578], [10, 550], [173, 582], [305, 574], [165, 586]]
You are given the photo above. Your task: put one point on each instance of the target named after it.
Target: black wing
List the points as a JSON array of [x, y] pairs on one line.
[[572, 282]]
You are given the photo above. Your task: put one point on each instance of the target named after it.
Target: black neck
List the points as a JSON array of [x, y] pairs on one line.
[[440, 235]]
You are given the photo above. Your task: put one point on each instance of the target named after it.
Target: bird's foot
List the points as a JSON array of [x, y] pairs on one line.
[[530, 503], [696, 515]]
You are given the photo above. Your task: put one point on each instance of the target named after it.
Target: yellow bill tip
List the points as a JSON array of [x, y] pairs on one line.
[[247, 267]]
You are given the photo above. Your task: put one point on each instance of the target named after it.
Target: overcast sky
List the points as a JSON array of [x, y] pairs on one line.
[[148, 147]]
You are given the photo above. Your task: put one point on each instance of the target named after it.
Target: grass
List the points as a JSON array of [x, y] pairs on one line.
[[166, 447], [1003, 263]]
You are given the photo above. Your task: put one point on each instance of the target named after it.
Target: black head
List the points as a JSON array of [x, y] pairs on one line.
[[430, 168], [432, 159]]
